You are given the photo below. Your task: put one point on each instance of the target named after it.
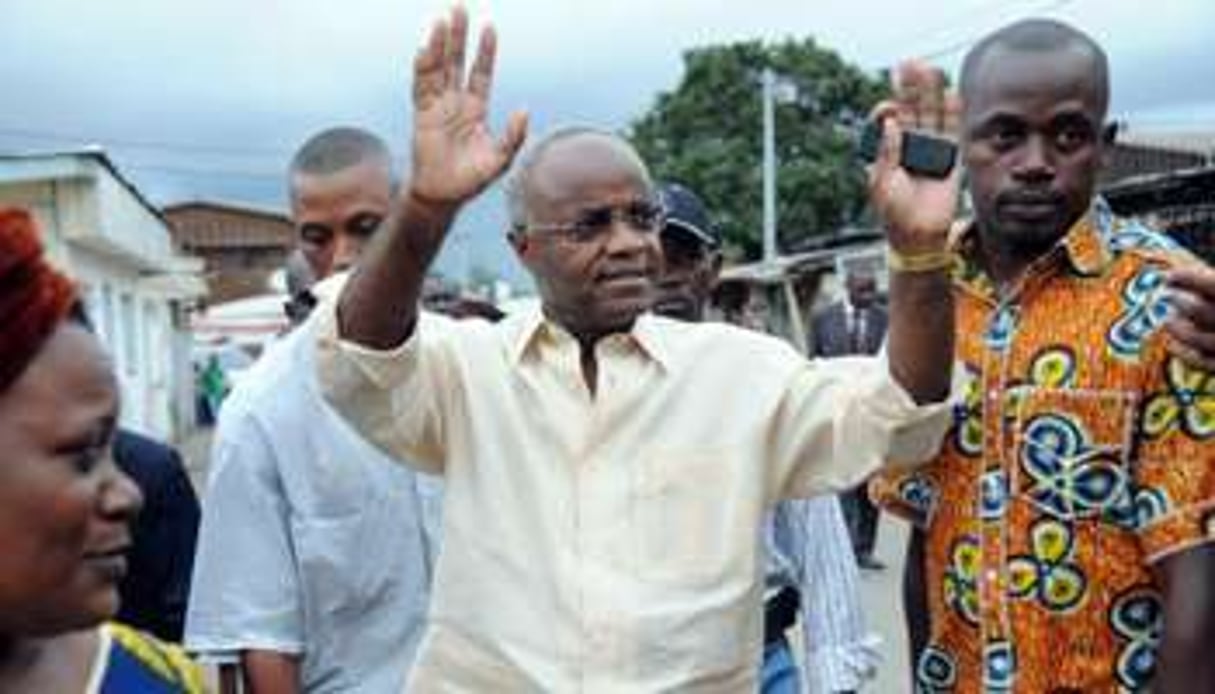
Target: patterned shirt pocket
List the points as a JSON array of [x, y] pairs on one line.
[[1071, 453]]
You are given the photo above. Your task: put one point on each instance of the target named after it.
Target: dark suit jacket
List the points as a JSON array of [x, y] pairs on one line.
[[831, 339], [157, 586]]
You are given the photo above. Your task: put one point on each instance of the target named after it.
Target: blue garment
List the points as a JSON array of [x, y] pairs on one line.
[[779, 672], [808, 549], [131, 662], [312, 542], [157, 585]]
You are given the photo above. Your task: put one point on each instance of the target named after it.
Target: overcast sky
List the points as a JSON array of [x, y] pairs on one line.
[[208, 98]]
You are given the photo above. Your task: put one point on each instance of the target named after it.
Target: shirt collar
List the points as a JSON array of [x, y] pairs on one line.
[[1085, 247], [646, 334]]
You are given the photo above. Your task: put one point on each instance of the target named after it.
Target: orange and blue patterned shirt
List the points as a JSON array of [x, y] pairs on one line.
[[1082, 454]]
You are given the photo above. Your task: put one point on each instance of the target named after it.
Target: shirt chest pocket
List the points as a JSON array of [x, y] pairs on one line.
[[1072, 456], [690, 517], [355, 562]]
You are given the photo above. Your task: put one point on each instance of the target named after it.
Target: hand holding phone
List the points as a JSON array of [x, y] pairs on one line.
[[923, 155]]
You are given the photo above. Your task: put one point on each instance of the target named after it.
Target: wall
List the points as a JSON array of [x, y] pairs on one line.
[[110, 260], [241, 249]]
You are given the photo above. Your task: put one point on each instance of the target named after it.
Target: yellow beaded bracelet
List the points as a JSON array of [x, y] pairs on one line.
[[930, 261]]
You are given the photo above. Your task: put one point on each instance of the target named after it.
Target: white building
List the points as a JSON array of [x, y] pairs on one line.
[[98, 227]]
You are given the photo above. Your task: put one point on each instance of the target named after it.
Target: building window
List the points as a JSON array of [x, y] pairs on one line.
[[105, 318], [130, 334]]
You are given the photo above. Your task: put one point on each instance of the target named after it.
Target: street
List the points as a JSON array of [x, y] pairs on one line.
[[881, 592]]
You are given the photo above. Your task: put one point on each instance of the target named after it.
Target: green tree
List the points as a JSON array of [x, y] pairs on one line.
[[708, 134]]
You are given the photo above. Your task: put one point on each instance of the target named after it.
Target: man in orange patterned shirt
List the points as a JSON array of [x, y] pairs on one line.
[[1065, 536]]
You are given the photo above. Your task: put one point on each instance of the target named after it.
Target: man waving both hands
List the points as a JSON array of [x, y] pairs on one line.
[[601, 515]]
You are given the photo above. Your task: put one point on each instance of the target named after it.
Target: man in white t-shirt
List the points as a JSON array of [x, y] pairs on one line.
[[315, 556]]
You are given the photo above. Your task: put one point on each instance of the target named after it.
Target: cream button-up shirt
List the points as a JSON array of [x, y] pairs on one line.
[[612, 542]]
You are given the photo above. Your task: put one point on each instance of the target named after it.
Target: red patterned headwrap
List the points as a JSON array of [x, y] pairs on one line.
[[34, 297]]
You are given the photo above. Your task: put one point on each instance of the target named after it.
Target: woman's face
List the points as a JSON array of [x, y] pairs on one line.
[[65, 508]]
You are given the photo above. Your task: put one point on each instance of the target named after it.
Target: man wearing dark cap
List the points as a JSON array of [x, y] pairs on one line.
[[692, 250], [808, 560]]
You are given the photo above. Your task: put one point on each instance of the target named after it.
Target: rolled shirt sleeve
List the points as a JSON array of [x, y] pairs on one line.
[[871, 421], [1174, 480], [393, 398]]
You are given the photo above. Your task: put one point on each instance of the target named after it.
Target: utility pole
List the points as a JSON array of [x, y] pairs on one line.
[[769, 81]]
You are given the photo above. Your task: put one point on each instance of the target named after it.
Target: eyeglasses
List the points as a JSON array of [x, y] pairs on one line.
[[593, 222]]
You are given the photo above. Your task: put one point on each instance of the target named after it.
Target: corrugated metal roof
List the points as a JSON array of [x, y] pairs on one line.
[[1198, 141], [229, 206]]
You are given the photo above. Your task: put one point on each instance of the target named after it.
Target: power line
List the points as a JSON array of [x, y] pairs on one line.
[[191, 171], [973, 10], [960, 45], [206, 173], [146, 144]]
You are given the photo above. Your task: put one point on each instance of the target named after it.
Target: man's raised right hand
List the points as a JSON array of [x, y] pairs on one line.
[[455, 156]]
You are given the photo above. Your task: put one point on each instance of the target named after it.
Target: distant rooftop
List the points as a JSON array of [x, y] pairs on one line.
[[229, 206], [1196, 141]]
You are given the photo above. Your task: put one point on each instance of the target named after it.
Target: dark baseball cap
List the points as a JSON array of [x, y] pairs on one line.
[[684, 211]]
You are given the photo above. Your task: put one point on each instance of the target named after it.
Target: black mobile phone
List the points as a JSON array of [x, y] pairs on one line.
[[923, 154]]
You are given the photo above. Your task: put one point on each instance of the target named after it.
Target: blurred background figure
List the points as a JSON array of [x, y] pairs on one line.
[[856, 324], [212, 388], [156, 588], [808, 572], [300, 278]]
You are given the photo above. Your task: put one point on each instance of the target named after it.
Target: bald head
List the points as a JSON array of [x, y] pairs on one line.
[[1037, 37], [521, 185]]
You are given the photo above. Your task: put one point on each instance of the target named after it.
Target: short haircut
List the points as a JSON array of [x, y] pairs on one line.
[[336, 149], [1037, 36], [519, 181]]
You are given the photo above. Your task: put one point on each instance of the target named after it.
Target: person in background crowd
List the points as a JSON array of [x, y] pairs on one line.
[[157, 585], [65, 508], [855, 324], [315, 554], [741, 306], [213, 386], [605, 478], [808, 571], [337, 196], [300, 277], [1065, 537]]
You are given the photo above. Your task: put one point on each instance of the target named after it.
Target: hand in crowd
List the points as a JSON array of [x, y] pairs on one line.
[[455, 156], [1193, 326], [917, 210]]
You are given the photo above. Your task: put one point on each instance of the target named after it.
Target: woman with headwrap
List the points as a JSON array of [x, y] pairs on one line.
[[65, 508]]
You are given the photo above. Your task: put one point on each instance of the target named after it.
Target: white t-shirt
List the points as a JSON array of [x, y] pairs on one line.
[[312, 541]]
